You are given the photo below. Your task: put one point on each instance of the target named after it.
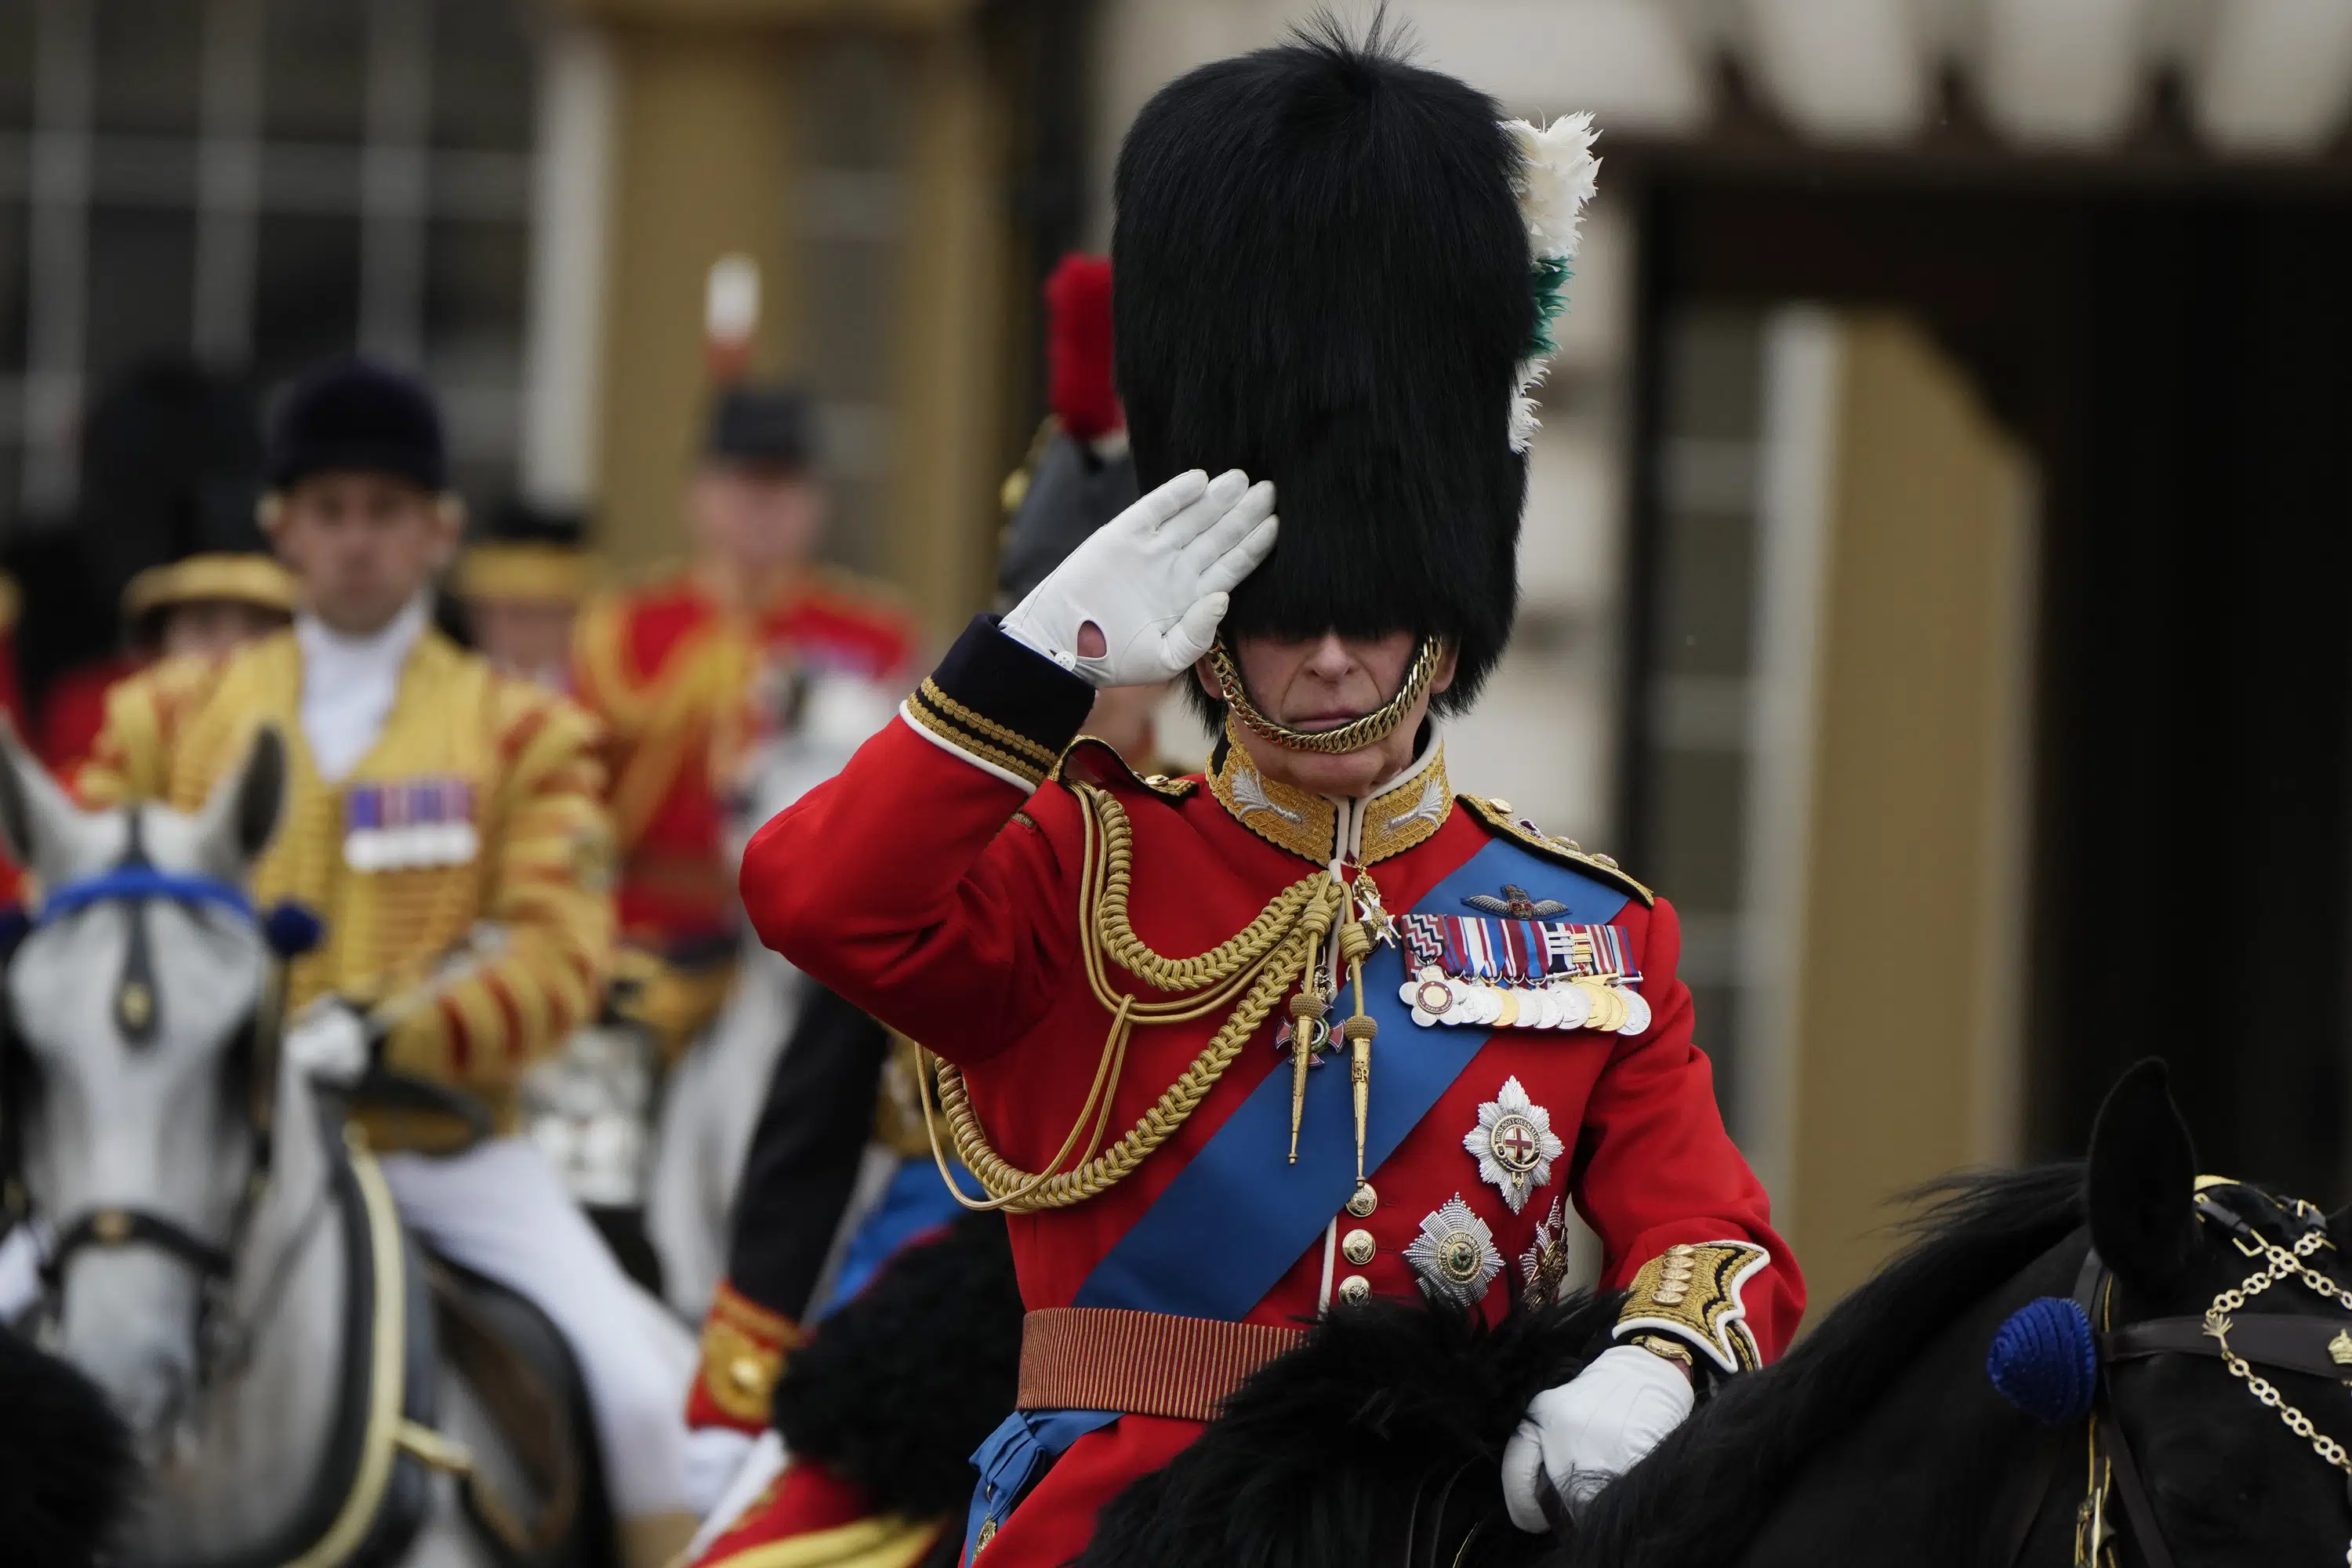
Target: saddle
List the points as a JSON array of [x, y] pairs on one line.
[[374, 1485], [521, 1372]]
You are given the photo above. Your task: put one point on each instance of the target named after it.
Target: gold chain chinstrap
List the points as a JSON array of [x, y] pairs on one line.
[[1373, 727]]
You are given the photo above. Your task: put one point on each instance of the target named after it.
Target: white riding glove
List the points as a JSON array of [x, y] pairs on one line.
[[1153, 580], [1581, 1436], [328, 1041]]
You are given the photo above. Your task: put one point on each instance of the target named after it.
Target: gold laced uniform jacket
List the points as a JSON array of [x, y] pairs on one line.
[[524, 759]]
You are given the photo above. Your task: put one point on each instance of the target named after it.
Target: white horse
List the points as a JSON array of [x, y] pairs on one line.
[[204, 1223]]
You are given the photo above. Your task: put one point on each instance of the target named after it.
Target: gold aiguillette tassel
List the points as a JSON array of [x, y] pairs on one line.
[[1355, 942], [1307, 1032], [1359, 1031]]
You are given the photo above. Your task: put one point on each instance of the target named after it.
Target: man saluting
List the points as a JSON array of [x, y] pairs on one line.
[[1232, 1048]]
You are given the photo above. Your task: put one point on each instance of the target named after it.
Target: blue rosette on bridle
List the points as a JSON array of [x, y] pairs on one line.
[[2045, 1361]]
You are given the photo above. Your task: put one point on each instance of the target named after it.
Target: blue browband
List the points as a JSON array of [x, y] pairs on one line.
[[291, 929], [143, 882]]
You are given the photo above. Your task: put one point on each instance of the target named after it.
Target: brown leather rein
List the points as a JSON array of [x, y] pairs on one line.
[[2318, 1347]]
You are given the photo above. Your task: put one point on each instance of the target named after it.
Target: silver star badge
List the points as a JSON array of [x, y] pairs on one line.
[[1454, 1254], [1514, 1144]]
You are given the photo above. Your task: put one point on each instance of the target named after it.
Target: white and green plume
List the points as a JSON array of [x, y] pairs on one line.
[[1558, 175]]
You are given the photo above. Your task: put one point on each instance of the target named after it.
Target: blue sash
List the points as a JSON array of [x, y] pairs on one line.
[[1009, 1460], [915, 1201], [1240, 1215]]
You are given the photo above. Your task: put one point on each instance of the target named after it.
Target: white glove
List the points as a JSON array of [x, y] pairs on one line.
[[1586, 1433], [1153, 580], [329, 1041]]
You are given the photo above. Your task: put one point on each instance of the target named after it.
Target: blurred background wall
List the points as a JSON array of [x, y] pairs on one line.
[[1935, 556]]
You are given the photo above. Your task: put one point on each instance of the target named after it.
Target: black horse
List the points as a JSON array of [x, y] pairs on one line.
[[1881, 1437]]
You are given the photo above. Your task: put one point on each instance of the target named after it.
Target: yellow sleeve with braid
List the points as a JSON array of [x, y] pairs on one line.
[[546, 865], [132, 758]]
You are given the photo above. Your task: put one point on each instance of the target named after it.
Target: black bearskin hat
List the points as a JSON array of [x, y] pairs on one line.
[[1323, 280], [354, 413], [912, 1373]]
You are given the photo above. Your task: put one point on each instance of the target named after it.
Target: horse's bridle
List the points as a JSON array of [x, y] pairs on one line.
[[2318, 1346], [134, 880]]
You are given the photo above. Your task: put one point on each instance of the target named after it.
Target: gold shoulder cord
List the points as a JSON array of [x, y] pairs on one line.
[[1249, 972]]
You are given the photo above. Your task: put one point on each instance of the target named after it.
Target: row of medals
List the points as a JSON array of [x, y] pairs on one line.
[[1588, 1002]]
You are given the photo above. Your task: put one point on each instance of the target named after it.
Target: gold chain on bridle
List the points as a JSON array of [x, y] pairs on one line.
[[1247, 973], [2281, 1263]]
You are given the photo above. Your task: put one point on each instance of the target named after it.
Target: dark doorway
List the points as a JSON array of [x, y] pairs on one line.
[[2178, 356]]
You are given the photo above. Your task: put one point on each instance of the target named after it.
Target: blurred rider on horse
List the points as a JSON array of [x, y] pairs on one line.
[[448, 823], [672, 667]]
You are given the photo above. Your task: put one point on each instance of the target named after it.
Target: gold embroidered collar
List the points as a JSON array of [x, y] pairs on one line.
[[1404, 812]]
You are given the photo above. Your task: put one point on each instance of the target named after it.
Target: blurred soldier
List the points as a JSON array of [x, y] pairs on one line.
[[811, 1229], [447, 822], [171, 469], [521, 583], [1158, 1001], [670, 668]]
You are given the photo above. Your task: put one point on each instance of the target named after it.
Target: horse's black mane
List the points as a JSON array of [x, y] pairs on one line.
[[1701, 1494]]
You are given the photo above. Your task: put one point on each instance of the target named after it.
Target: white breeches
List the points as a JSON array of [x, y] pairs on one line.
[[500, 1210]]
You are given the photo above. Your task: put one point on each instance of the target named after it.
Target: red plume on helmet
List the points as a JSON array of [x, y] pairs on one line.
[[1077, 347]]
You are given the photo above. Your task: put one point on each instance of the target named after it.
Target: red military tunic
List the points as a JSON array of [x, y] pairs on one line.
[[931, 886], [669, 669]]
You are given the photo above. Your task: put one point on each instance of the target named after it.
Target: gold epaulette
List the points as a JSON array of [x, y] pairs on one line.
[[1497, 816], [1090, 761]]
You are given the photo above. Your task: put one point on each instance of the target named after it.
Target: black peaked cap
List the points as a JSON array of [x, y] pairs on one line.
[[772, 424], [355, 415]]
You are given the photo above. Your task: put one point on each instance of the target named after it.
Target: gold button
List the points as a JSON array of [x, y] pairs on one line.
[[1364, 1202], [1670, 1295], [1355, 1288], [746, 1374], [1357, 1248], [1498, 803], [1682, 1250]]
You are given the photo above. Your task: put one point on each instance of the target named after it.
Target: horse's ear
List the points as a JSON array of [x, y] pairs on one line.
[[241, 817], [36, 816], [2141, 1185]]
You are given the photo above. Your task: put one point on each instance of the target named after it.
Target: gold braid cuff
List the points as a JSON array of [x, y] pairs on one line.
[[1691, 1290], [744, 1346], [1373, 727]]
